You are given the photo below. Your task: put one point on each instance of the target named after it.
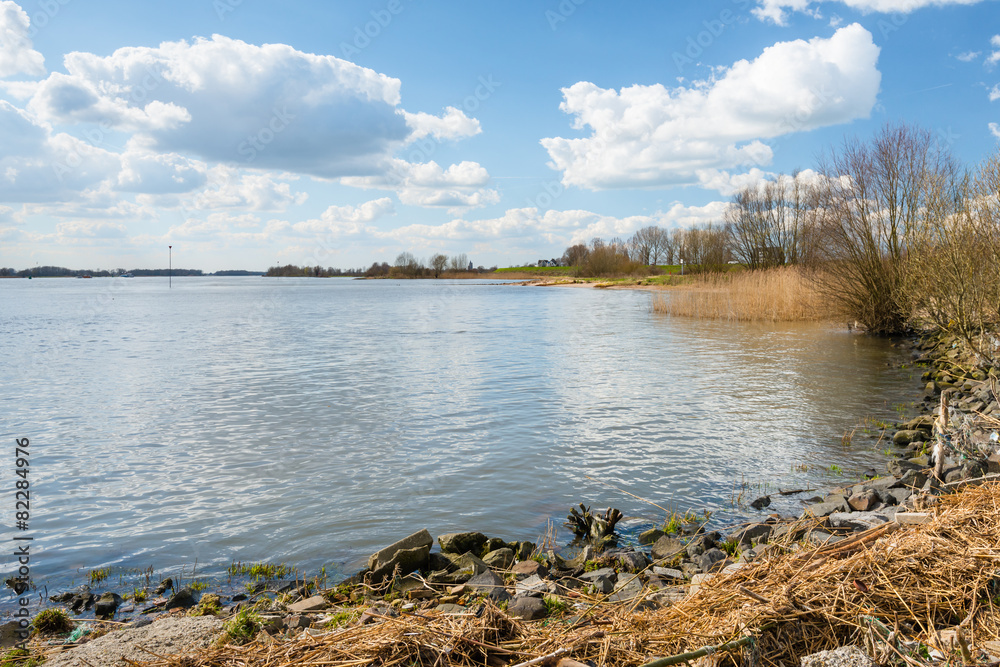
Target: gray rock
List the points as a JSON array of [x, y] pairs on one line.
[[906, 437], [314, 603], [527, 608], [668, 573], [419, 539], [499, 559], [527, 568], [857, 520], [761, 503], [492, 544], [533, 586], [710, 560], [403, 561], [821, 510], [821, 537], [667, 546], [602, 585], [668, 596], [296, 621], [488, 582], [460, 543], [900, 495], [9, 636], [449, 608], [650, 536], [627, 588], [921, 423], [607, 572], [845, 656], [899, 468], [913, 479], [631, 561], [106, 606], [757, 531], [183, 598]]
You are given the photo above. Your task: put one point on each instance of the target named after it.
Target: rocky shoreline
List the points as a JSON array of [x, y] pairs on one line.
[[523, 582]]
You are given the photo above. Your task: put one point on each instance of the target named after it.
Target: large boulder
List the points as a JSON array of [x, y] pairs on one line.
[[499, 559], [490, 584], [460, 543], [667, 547], [906, 437], [419, 539], [106, 606], [527, 608]]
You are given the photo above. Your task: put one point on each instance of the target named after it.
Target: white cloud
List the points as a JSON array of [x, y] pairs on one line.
[[994, 57], [968, 56], [17, 55], [995, 93], [159, 173], [995, 130], [229, 187], [453, 125], [347, 220], [775, 10], [651, 136], [91, 230], [221, 99], [457, 188]]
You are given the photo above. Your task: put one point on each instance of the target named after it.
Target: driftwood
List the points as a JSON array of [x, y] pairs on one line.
[[598, 528]]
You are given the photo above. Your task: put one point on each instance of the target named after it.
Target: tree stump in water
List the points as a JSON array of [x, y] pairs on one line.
[[597, 528]]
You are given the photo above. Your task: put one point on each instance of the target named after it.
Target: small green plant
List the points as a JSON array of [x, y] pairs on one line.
[[243, 627], [836, 469], [260, 570], [99, 575], [731, 547], [139, 594], [198, 585], [341, 618], [19, 657], [210, 604], [51, 621], [555, 606]]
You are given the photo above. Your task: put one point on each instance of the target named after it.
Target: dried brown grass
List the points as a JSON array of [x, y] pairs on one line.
[[911, 582], [783, 294]]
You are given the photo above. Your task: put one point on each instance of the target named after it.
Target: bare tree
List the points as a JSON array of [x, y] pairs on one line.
[[769, 224], [872, 201], [648, 244], [575, 255], [459, 263], [438, 263]]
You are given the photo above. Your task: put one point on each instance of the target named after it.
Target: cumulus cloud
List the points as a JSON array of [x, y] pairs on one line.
[[775, 11], [652, 136], [17, 53], [968, 56], [995, 130], [37, 165], [994, 56], [229, 187], [459, 187], [267, 107], [344, 220], [91, 230], [995, 93]]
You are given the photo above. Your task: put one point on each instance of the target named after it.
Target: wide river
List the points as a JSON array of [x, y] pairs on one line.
[[313, 421]]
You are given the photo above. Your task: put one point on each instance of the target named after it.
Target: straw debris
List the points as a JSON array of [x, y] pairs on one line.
[[909, 594]]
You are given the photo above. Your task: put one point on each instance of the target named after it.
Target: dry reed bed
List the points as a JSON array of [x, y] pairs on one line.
[[913, 581], [774, 295]]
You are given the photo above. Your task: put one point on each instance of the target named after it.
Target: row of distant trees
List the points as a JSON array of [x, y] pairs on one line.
[[63, 272], [406, 265]]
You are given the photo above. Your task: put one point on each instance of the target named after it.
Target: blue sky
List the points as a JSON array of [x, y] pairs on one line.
[[247, 133]]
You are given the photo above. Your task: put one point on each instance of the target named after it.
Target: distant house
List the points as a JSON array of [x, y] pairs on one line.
[[543, 262], [471, 268]]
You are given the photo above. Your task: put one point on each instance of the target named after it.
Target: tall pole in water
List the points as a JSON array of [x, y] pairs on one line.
[[170, 270]]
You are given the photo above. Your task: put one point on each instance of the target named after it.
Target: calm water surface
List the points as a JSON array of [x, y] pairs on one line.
[[314, 421]]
